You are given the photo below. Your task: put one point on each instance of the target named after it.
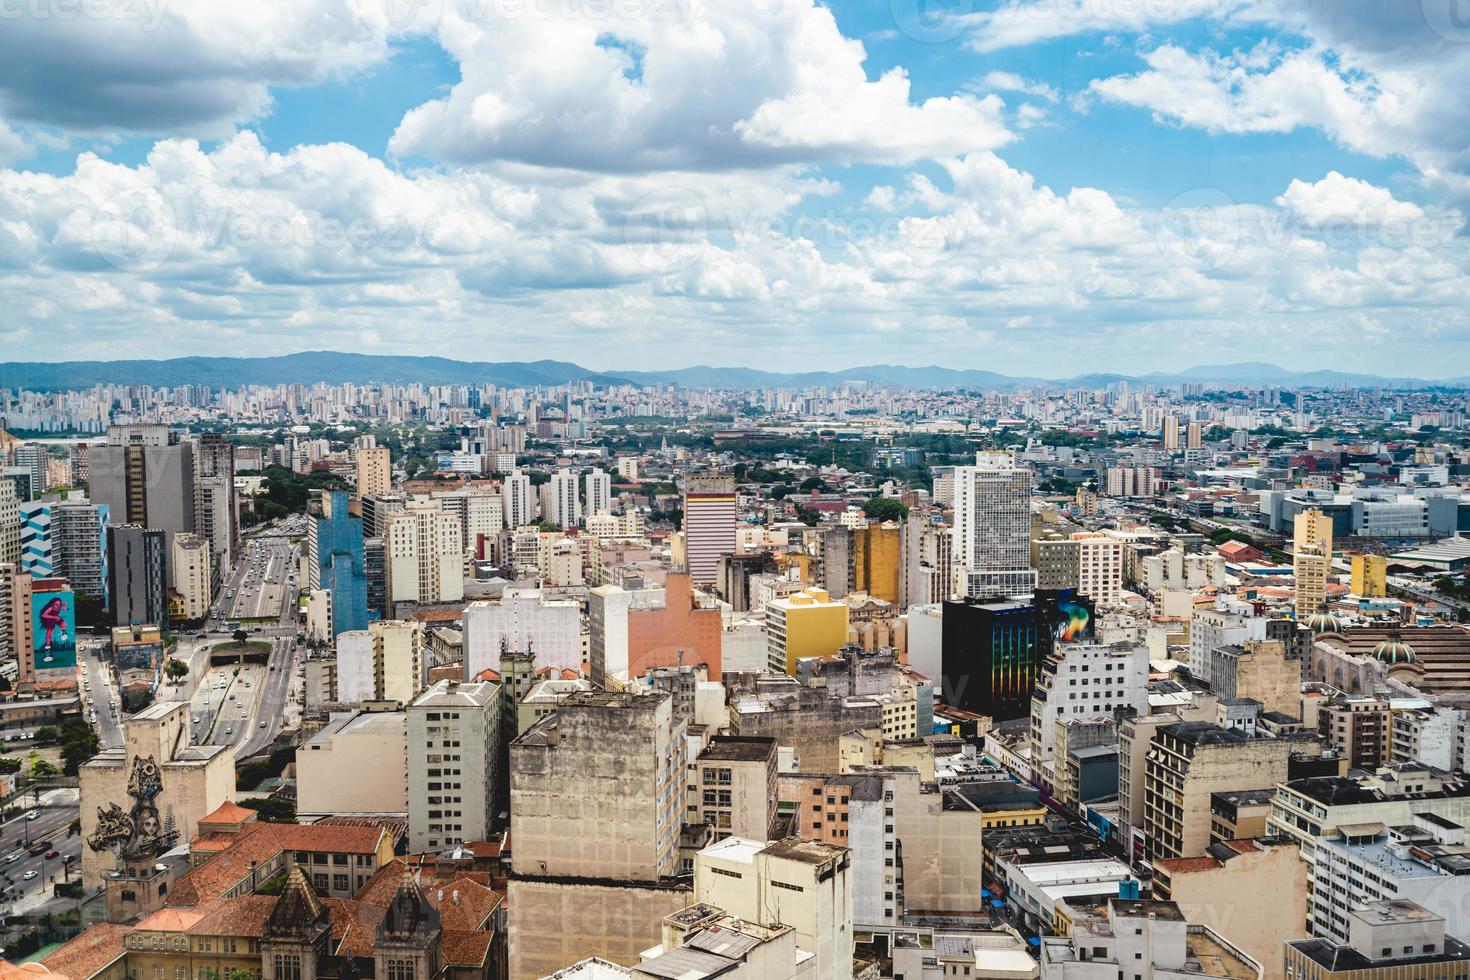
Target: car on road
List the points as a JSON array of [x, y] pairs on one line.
[[229, 729], [33, 814], [13, 858], [52, 854], [262, 724], [31, 874]]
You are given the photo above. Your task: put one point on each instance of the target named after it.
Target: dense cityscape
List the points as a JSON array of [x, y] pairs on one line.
[[734, 489], [599, 679]]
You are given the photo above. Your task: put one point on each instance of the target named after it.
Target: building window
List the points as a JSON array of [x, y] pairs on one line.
[[288, 966], [400, 970]]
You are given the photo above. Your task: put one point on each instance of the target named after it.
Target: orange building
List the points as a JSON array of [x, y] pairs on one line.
[[679, 633]]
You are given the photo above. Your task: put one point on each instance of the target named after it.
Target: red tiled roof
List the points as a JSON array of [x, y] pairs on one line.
[[87, 954], [461, 948]]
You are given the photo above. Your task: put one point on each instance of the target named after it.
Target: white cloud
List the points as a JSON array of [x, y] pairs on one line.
[[1336, 199], [729, 86], [1009, 81]]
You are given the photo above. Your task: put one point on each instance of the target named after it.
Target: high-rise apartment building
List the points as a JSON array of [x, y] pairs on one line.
[[385, 662], [523, 619], [710, 513], [374, 470], [992, 528], [1311, 560], [1187, 762], [189, 577], [453, 764], [1171, 433], [1370, 576], [33, 458], [1194, 436], [137, 563], [566, 503], [518, 502], [597, 495], [425, 556]]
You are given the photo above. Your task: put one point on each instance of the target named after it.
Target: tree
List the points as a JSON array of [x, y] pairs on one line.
[[78, 744], [271, 809], [47, 735], [814, 483], [135, 701], [885, 509], [8, 766], [40, 769], [240, 636], [176, 669]]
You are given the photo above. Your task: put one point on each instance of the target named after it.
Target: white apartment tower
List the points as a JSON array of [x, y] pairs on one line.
[[992, 527], [425, 555], [598, 492]]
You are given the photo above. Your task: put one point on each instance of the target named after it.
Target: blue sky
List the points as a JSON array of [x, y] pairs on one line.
[[1034, 186]]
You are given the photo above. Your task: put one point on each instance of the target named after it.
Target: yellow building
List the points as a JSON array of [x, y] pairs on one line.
[[1370, 576], [876, 556], [805, 624], [1311, 559]]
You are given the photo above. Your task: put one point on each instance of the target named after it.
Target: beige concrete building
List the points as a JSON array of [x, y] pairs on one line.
[[1189, 761], [356, 764], [425, 555], [798, 883], [453, 764], [597, 802], [374, 470], [1252, 892], [384, 662], [1260, 670], [1311, 561], [734, 787], [196, 779], [190, 575]]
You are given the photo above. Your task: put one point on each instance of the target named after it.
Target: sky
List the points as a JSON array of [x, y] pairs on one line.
[[1041, 187]]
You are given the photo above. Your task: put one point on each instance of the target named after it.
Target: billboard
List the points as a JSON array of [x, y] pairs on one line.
[[54, 627]]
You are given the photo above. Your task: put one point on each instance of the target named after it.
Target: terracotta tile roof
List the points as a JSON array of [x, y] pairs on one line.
[[488, 674], [354, 925], [333, 837], [24, 971], [243, 916], [230, 813], [88, 953], [461, 948], [472, 909]]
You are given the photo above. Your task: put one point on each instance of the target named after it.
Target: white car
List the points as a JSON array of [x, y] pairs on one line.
[[30, 874]]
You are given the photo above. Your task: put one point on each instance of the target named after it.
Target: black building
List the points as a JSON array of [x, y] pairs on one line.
[[993, 648]]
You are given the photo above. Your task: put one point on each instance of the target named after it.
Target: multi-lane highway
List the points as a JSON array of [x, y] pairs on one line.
[[26, 878]]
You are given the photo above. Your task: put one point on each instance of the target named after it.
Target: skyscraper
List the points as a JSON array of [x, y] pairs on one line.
[[145, 476], [336, 561], [710, 515], [992, 527], [216, 512], [137, 560]]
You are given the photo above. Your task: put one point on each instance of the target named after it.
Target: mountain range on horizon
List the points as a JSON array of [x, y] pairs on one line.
[[336, 367]]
